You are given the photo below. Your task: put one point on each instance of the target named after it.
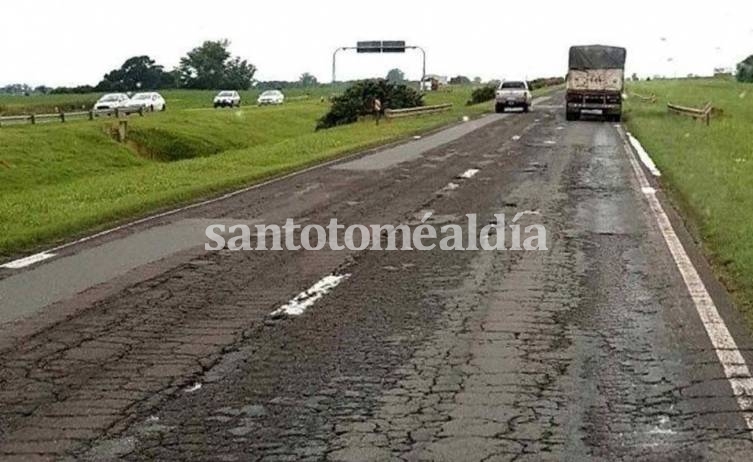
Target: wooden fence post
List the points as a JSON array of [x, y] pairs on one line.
[[33, 119], [62, 117], [122, 130], [91, 114]]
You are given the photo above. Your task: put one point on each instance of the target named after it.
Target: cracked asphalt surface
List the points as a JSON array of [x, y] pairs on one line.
[[591, 350]]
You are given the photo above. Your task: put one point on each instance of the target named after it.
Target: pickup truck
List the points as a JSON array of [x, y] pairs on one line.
[[512, 93], [595, 81]]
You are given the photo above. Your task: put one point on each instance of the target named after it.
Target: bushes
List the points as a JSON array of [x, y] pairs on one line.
[[745, 70], [358, 101], [482, 94]]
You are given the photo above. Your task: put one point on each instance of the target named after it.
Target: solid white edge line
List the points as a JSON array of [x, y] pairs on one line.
[[727, 351], [643, 154], [26, 261]]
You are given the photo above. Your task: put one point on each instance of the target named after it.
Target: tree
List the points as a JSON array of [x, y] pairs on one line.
[[460, 80], [209, 66], [396, 76], [138, 72], [239, 74], [17, 89], [307, 80], [745, 70], [358, 101]]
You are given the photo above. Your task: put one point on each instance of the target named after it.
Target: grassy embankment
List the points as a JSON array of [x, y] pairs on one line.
[[708, 170], [58, 180]]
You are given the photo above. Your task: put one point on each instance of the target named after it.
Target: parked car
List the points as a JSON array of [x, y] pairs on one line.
[[149, 101], [271, 97], [227, 99], [111, 101], [513, 93]]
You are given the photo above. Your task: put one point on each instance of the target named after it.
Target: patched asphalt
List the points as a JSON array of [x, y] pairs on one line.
[[591, 350]]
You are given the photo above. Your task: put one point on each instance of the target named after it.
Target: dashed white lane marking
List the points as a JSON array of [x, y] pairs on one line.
[[451, 186], [732, 361], [307, 298], [26, 261], [516, 137], [196, 386], [470, 173], [645, 158]]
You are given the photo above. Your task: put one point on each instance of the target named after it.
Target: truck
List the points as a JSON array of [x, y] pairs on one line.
[[595, 81]]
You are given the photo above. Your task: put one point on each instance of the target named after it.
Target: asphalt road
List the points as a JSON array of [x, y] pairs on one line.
[[140, 345]]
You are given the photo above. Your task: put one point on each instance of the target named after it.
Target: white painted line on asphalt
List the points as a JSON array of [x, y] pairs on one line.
[[26, 261], [727, 351], [451, 186], [307, 298], [470, 173], [196, 386], [516, 137], [645, 158]]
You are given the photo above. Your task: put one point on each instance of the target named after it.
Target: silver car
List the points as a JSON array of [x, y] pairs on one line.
[[227, 99]]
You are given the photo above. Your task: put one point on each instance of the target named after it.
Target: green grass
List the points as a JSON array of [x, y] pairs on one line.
[[708, 170], [59, 180]]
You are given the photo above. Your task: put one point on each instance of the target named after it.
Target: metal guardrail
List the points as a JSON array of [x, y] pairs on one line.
[[698, 114], [397, 113], [63, 117], [645, 98]]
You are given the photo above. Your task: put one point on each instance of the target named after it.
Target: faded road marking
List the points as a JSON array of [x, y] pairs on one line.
[[470, 173], [27, 261], [307, 298], [732, 361], [645, 158]]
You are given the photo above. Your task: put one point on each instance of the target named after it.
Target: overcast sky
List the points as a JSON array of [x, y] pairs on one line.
[[71, 42]]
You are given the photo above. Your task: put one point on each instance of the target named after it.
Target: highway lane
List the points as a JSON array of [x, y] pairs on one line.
[[591, 350]]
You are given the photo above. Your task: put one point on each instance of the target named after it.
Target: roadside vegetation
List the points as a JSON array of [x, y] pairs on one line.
[[60, 179], [708, 170], [358, 101]]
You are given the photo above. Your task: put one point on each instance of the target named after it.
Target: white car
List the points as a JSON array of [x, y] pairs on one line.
[[271, 97], [150, 101], [227, 99], [111, 101], [513, 93]]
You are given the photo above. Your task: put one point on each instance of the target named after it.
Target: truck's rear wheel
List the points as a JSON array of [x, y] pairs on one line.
[[499, 108], [572, 115], [526, 108]]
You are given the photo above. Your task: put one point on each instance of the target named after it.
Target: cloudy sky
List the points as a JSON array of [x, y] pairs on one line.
[[69, 42]]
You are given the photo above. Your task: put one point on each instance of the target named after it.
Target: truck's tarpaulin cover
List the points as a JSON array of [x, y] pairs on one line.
[[597, 57]]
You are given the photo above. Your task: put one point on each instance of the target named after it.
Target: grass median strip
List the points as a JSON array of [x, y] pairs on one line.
[[707, 170]]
